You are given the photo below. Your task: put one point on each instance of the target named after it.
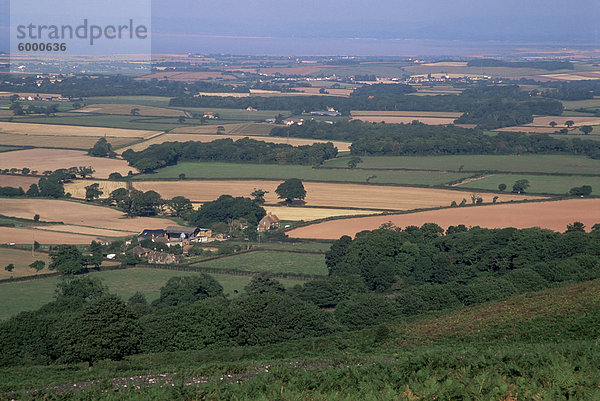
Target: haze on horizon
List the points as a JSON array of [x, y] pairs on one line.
[[379, 27]]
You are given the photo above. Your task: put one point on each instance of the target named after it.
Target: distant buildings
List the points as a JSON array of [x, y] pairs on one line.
[[177, 235], [269, 222]]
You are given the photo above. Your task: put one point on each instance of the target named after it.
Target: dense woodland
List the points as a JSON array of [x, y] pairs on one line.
[[421, 269], [243, 150], [421, 139]]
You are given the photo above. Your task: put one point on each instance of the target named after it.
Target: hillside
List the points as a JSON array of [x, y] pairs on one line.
[[534, 346]]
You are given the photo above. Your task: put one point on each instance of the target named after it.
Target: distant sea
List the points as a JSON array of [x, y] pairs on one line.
[[276, 46]]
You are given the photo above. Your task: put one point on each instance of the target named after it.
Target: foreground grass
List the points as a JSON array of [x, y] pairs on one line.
[[282, 172], [564, 164]]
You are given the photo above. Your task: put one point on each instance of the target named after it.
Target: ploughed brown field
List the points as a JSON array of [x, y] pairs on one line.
[[342, 146], [322, 194], [553, 215], [53, 159], [81, 218]]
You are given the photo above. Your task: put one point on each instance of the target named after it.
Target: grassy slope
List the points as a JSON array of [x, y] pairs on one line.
[[565, 164], [281, 172], [539, 345]]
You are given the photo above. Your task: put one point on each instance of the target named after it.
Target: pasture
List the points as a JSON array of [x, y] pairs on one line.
[[239, 115], [156, 101], [244, 129], [341, 196], [60, 142], [553, 215], [53, 159], [30, 295], [270, 261], [238, 171], [565, 164], [405, 120], [342, 146], [543, 184], [126, 109], [105, 121]]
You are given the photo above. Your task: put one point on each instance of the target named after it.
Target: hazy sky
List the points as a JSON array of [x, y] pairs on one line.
[[251, 26]]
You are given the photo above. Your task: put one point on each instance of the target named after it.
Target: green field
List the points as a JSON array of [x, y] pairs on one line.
[[565, 164], [8, 148], [106, 120], [30, 295], [282, 172], [274, 262], [581, 104], [545, 184], [158, 101]]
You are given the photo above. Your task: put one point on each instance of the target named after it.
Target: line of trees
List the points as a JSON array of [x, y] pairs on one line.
[[421, 139], [243, 150]]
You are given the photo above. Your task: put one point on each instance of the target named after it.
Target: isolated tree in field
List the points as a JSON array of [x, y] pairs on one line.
[[569, 123], [180, 206], [135, 111], [520, 186], [36, 217], [586, 129], [93, 192], [502, 187], [291, 189], [352, 163], [115, 176], [84, 172], [38, 265], [258, 196], [584, 190], [9, 268], [102, 148], [26, 171], [553, 124]]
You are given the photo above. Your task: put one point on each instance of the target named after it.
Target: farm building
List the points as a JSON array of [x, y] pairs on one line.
[[269, 222], [176, 234], [151, 235]]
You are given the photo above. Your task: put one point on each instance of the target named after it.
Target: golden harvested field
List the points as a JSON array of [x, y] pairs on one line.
[[125, 109], [342, 146], [406, 120], [77, 187], [322, 194], [446, 64], [53, 159], [417, 114], [312, 213], [21, 259], [71, 130], [331, 92], [17, 181], [527, 129], [575, 76], [78, 214], [67, 142], [186, 76], [223, 94], [560, 121], [28, 235], [553, 215], [100, 232], [246, 129]]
